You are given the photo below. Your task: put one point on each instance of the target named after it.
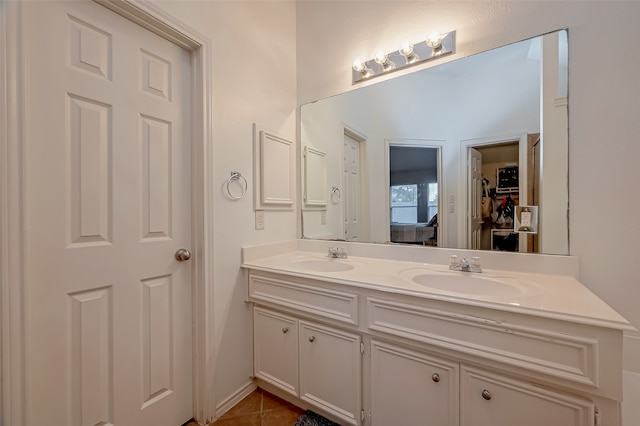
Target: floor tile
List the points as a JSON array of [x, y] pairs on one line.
[[252, 403], [253, 419], [280, 417]]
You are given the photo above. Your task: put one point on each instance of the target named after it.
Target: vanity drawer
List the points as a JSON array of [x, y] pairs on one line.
[[549, 352], [337, 305]]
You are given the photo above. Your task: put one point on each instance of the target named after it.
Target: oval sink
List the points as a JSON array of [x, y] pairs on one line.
[[322, 265], [467, 283]]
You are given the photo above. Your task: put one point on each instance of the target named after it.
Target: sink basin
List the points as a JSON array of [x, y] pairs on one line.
[[322, 265], [467, 283]]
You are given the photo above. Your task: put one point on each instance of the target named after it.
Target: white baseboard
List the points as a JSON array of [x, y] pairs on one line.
[[236, 397]]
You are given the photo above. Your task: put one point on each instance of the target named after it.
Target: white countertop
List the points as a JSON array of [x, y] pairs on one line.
[[553, 296]]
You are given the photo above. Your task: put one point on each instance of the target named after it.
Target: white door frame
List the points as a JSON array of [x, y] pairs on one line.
[[463, 199], [420, 143], [12, 273]]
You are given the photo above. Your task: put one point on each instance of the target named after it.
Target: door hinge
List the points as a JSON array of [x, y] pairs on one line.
[[362, 347], [596, 417], [362, 416]]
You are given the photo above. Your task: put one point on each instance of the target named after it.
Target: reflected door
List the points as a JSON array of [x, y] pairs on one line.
[[108, 197], [474, 185], [351, 187]]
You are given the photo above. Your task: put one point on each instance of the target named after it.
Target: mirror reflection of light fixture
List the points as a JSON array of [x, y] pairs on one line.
[[361, 67], [383, 60], [408, 54], [406, 50]]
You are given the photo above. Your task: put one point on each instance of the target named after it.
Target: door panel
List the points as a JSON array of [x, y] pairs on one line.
[[107, 196], [351, 187], [474, 185]]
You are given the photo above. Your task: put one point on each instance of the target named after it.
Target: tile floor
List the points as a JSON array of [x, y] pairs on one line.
[[259, 408]]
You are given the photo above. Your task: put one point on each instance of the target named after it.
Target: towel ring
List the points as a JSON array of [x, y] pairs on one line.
[[335, 194], [236, 176]]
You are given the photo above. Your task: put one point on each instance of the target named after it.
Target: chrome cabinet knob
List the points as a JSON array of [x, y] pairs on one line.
[[285, 329], [435, 377], [486, 394], [312, 338], [183, 254]]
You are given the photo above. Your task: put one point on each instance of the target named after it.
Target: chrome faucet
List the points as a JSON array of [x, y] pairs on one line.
[[463, 265], [337, 252]]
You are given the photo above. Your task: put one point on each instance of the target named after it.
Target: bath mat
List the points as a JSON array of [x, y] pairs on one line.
[[309, 418]]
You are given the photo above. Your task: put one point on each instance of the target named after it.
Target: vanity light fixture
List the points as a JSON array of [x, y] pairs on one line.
[[408, 54]]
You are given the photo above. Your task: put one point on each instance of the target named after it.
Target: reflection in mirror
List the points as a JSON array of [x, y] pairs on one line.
[[413, 193], [489, 133]]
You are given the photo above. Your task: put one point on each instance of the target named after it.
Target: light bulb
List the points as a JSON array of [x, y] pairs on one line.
[[434, 41], [381, 57], [358, 65], [361, 67], [406, 50]]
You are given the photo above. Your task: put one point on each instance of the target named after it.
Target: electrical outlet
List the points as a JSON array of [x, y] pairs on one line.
[[323, 217], [452, 203], [259, 220]]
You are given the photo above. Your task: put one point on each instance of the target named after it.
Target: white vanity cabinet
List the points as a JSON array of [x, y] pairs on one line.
[[320, 365], [365, 356], [491, 399], [410, 388]]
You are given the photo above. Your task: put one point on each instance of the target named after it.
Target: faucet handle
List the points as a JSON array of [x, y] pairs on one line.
[[337, 252], [475, 264]]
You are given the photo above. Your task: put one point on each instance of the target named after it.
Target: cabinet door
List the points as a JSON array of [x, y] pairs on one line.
[[330, 370], [410, 388], [488, 399], [275, 340]]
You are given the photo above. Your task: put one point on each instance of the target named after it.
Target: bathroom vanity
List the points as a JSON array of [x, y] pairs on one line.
[[391, 336]]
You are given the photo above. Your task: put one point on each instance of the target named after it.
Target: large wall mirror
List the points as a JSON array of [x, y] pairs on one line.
[[472, 154]]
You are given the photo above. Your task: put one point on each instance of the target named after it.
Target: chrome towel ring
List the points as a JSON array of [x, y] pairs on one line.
[[236, 176]]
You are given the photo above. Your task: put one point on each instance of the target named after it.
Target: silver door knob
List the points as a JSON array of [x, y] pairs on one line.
[[435, 377], [312, 338], [183, 254]]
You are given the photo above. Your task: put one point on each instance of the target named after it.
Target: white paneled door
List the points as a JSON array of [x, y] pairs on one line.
[[474, 187], [351, 188], [107, 196]]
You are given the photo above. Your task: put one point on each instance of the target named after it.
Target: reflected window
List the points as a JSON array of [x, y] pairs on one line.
[[404, 203], [432, 200]]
